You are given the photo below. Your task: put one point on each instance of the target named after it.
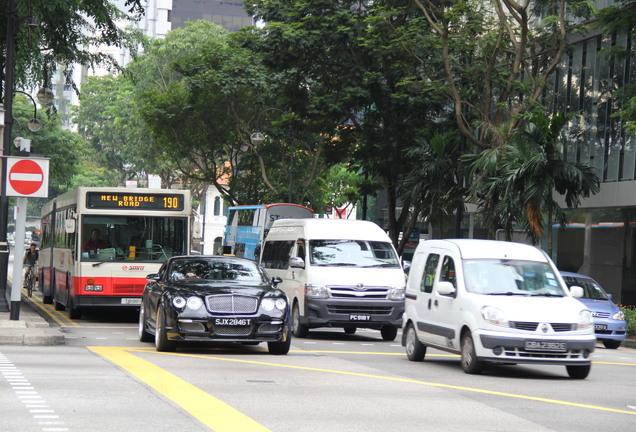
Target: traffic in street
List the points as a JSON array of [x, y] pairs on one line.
[[105, 379]]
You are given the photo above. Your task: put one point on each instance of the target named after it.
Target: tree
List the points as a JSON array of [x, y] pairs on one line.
[[350, 69], [498, 57], [61, 33], [517, 181]]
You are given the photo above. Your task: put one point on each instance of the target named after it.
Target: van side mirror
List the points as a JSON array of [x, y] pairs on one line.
[[297, 262], [445, 288], [576, 291]]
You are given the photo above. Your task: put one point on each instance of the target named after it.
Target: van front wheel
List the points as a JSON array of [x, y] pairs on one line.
[[300, 330], [415, 350], [388, 333], [470, 364]]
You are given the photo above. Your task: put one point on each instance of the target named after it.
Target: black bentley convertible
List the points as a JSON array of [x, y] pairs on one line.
[[215, 299]]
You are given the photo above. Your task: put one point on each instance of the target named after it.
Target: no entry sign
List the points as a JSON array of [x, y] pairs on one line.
[[27, 177]]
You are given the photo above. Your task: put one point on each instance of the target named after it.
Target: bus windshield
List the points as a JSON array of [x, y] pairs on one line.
[[137, 238]]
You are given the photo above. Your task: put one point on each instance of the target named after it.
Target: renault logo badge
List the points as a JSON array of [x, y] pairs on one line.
[[544, 328], [359, 286]]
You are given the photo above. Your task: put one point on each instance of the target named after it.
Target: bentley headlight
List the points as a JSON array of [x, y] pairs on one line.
[[195, 303], [494, 316], [268, 304], [585, 320], [281, 304], [179, 302], [316, 291]]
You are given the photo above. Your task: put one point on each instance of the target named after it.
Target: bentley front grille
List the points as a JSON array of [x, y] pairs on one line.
[[232, 304]]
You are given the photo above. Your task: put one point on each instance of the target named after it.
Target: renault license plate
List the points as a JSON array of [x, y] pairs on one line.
[[546, 346]]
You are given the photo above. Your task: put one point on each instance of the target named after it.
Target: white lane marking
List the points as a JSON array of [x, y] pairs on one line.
[[30, 397]]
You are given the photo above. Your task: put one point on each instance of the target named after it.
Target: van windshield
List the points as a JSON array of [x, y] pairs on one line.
[[352, 253], [511, 277]]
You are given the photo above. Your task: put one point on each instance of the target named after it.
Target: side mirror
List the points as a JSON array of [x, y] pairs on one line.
[[576, 291], [609, 296], [153, 277], [445, 288], [276, 280], [297, 262]]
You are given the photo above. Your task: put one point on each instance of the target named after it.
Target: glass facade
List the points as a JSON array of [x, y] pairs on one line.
[[229, 14]]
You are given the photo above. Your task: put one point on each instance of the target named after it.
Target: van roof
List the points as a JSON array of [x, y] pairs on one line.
[[476, 249], [333, 228]]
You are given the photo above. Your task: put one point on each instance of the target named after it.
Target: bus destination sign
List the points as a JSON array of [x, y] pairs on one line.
[[134, 201]]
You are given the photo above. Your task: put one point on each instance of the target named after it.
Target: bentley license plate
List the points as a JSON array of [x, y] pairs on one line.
[[232, 321], [546, 346]]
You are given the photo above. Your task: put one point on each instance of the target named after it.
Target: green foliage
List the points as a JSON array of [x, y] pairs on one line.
[[630, 319]]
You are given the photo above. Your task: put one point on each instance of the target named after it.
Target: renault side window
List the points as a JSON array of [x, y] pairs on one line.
[[429, 273], [448, 271]]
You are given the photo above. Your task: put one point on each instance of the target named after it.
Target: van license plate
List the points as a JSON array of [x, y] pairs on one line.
[[358, 317], [546, 346], [600, 326], [232, 321], [131, 301]]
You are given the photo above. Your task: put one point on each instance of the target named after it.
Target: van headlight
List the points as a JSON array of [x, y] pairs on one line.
[[316, 291], [494, 316], [585, 320], [619, 316], [396, 294]]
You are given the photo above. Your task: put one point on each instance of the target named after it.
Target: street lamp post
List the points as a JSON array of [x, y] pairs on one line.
[[257, 138], [45, 96]]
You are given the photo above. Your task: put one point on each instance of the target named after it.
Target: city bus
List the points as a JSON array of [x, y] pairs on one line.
[[98, 244], [248, 225]]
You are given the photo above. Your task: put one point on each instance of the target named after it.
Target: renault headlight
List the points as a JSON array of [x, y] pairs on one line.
[[316, 291], [494, 316], [585, 320]]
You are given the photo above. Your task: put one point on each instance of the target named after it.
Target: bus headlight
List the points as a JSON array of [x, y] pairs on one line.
[[93, 288], [316, 291]]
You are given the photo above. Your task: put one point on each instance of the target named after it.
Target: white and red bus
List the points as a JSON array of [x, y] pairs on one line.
[[98, 244]]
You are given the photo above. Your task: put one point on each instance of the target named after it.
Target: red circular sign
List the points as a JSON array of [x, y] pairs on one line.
[[26, 177]]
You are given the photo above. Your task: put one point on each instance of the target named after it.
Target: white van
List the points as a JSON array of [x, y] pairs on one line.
[[337, 273], [495, 301]]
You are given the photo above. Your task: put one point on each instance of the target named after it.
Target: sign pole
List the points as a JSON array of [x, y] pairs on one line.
[[18, 254]]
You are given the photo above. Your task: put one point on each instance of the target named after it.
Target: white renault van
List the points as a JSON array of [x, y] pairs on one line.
[[337, 273], [494, 301]]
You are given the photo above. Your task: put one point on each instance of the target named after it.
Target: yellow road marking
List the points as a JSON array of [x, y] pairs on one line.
[[404, 380], [49, 310], [212, 412]]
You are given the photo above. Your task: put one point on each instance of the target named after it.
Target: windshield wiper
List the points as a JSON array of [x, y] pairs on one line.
[[545, 295], [508, 293]]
